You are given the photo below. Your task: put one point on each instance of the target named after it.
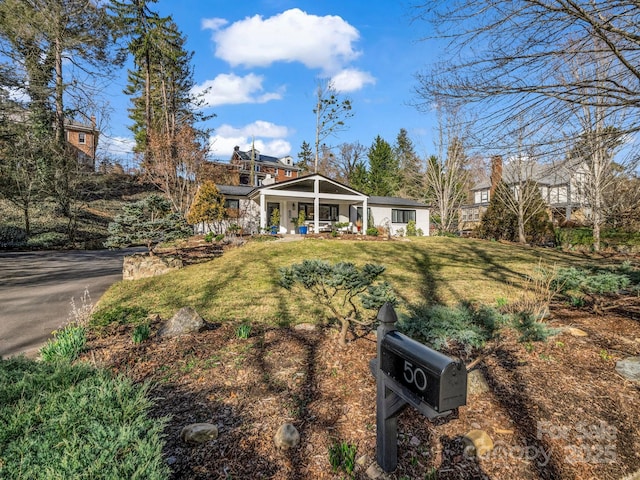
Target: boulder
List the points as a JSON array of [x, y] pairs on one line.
[[629, 368], [286, 437], [186, 320], [199, 433], [478, 443]]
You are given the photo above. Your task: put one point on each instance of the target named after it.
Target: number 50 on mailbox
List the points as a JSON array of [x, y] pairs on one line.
[[432, 376]]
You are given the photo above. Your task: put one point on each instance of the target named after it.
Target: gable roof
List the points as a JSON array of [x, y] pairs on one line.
[[306, 183]]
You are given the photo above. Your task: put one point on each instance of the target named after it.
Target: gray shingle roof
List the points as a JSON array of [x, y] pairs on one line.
[[395, 201]]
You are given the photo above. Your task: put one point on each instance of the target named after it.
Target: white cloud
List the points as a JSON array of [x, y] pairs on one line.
[[221, 144], [227, 89], [213, 23], [350, 80], [325, 42], [259, 128]]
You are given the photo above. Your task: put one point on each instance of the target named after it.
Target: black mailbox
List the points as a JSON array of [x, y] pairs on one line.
[[436, 379]]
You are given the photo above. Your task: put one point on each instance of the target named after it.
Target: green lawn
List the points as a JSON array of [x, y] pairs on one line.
[[242, 284]]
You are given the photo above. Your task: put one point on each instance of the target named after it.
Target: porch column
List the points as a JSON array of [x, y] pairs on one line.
[[263, 213], [316, 205], [365, 217]]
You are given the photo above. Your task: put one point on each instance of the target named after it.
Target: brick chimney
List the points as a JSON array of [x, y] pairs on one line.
[[496, 172]]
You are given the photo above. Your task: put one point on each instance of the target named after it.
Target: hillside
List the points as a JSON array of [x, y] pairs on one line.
[[99, 198]]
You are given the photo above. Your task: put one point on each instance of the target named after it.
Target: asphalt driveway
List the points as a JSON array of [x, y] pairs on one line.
[[36, 289]]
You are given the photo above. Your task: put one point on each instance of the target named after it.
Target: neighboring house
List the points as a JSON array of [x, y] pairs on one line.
[[325, 203], [83, 140], [561, 187], [256, 169]]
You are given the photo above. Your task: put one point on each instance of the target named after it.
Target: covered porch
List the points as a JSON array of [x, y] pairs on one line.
[[325, 203]]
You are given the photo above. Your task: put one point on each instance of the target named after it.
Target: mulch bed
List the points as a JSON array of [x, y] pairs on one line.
[[555, 410]]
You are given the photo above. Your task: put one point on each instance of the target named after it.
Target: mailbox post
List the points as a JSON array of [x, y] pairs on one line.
[[409, 373]]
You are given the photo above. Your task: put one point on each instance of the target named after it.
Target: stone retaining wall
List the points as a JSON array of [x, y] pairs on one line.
[[143, 266]]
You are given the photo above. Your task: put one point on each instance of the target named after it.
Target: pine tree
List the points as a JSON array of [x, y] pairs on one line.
[[498, 222], [383, 169], [410, 168], [305, 156]]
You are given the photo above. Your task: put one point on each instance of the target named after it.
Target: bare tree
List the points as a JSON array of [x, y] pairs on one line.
[[598, 138], [176, 158], [349, 156], [331, 112], [502, 55], [446, 176]]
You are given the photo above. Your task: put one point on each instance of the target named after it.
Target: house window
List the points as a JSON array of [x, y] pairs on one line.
[[82, 138], [232, 203], [328, 213], [287, 173], [276, 172], [402, 216], [484, 196], [256, 168]]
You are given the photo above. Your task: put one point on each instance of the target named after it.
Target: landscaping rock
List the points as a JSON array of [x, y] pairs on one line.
[[576, 332], [305, 327], [286, 437], [186, 320], [629, 368], [476, 383], [143, 266], [478, 443], [199, 433], [375, 472]]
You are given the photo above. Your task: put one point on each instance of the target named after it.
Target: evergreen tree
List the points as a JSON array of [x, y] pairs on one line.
[[163, 109], [360, 178], [208, 206], [411, 183], [383, 169], [305, 156], [148, 222], [499, 222]]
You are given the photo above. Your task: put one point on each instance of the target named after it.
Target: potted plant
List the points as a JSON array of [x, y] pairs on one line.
[[275, 221], [299, 222]]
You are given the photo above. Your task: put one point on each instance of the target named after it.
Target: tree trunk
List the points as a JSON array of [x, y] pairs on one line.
[[344, 329]]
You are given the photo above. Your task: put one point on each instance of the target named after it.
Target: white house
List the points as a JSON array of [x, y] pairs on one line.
[[325, 203]]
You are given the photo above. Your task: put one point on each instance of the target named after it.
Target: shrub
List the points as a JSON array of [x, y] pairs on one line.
[[343, 289], [147, 222], [219, 237], [530, 328], [72, 421], [12, 236], [445, 327], [66, 344], [573, 280], [47, 240], [373, 231], [119, 315], [411, 228], [208, 237]]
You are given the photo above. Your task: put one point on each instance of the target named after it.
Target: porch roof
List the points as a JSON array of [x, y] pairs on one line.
[[305, 187]]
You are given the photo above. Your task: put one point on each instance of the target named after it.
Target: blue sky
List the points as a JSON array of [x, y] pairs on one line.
[[263, 60]]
